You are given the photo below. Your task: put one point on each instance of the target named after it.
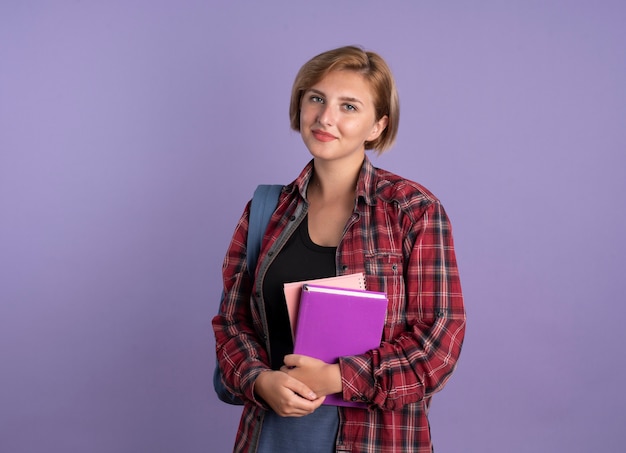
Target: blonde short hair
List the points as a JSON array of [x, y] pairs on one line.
[[371, 66]]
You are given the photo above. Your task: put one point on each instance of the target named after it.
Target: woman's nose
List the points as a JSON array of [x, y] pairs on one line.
[[326, 115]]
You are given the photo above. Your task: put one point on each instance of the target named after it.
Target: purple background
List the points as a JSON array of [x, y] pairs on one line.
[[133, 132]]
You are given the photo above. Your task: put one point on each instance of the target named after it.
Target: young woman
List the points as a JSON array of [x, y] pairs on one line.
[[342, 215]]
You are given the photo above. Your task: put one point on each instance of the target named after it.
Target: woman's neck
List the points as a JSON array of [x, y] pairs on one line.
[[334, 181]]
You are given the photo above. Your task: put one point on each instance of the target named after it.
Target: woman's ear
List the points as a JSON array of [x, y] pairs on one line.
[[378, 128]]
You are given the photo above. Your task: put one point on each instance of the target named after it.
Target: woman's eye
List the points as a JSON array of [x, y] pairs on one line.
[[349, 107], [317, 99]]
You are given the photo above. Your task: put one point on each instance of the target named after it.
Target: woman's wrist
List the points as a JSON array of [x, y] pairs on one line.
[[333, 378], [259, 382]]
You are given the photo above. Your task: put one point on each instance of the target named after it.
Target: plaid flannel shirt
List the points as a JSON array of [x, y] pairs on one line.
[[400, 237]]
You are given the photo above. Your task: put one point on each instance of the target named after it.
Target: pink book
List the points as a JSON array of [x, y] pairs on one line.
[[337, 322], [293, 291]]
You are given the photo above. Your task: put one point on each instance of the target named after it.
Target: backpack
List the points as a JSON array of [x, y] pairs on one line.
[[262, 206]]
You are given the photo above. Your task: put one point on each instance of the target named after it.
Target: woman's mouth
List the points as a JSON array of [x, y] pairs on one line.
[[323, 136]]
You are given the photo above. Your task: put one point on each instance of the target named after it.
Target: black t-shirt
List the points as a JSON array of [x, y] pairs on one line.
[[300, 259]]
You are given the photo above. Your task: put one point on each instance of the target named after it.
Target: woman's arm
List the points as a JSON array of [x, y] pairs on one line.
[[418, 361], [240, 351], [240, 348]]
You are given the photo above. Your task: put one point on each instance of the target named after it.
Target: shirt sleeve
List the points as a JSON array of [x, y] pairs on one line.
[[240, 350], [418, 361]]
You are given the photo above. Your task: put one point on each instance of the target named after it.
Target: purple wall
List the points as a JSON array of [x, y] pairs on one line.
[[133, 132]]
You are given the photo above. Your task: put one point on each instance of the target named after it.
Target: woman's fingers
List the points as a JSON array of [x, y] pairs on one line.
[[287, 396], [300, 389]]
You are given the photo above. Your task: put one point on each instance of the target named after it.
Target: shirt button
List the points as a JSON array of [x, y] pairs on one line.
[[292, 218], [344, 267]]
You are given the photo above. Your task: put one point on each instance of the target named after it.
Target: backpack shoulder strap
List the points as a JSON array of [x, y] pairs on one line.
[[262, 207]]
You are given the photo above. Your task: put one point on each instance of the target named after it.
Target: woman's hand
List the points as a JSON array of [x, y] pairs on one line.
[[323, 378], [286, 395]]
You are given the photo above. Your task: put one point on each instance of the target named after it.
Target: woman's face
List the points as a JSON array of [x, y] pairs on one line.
[[337, 117]]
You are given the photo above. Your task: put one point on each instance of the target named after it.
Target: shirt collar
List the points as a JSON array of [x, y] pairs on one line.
[[367, 183], [365, 186]]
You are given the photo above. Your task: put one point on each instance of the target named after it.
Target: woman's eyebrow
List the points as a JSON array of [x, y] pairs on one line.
[[342, 98]]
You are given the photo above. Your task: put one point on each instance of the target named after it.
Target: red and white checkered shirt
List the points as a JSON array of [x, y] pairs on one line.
[[400, 237]]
